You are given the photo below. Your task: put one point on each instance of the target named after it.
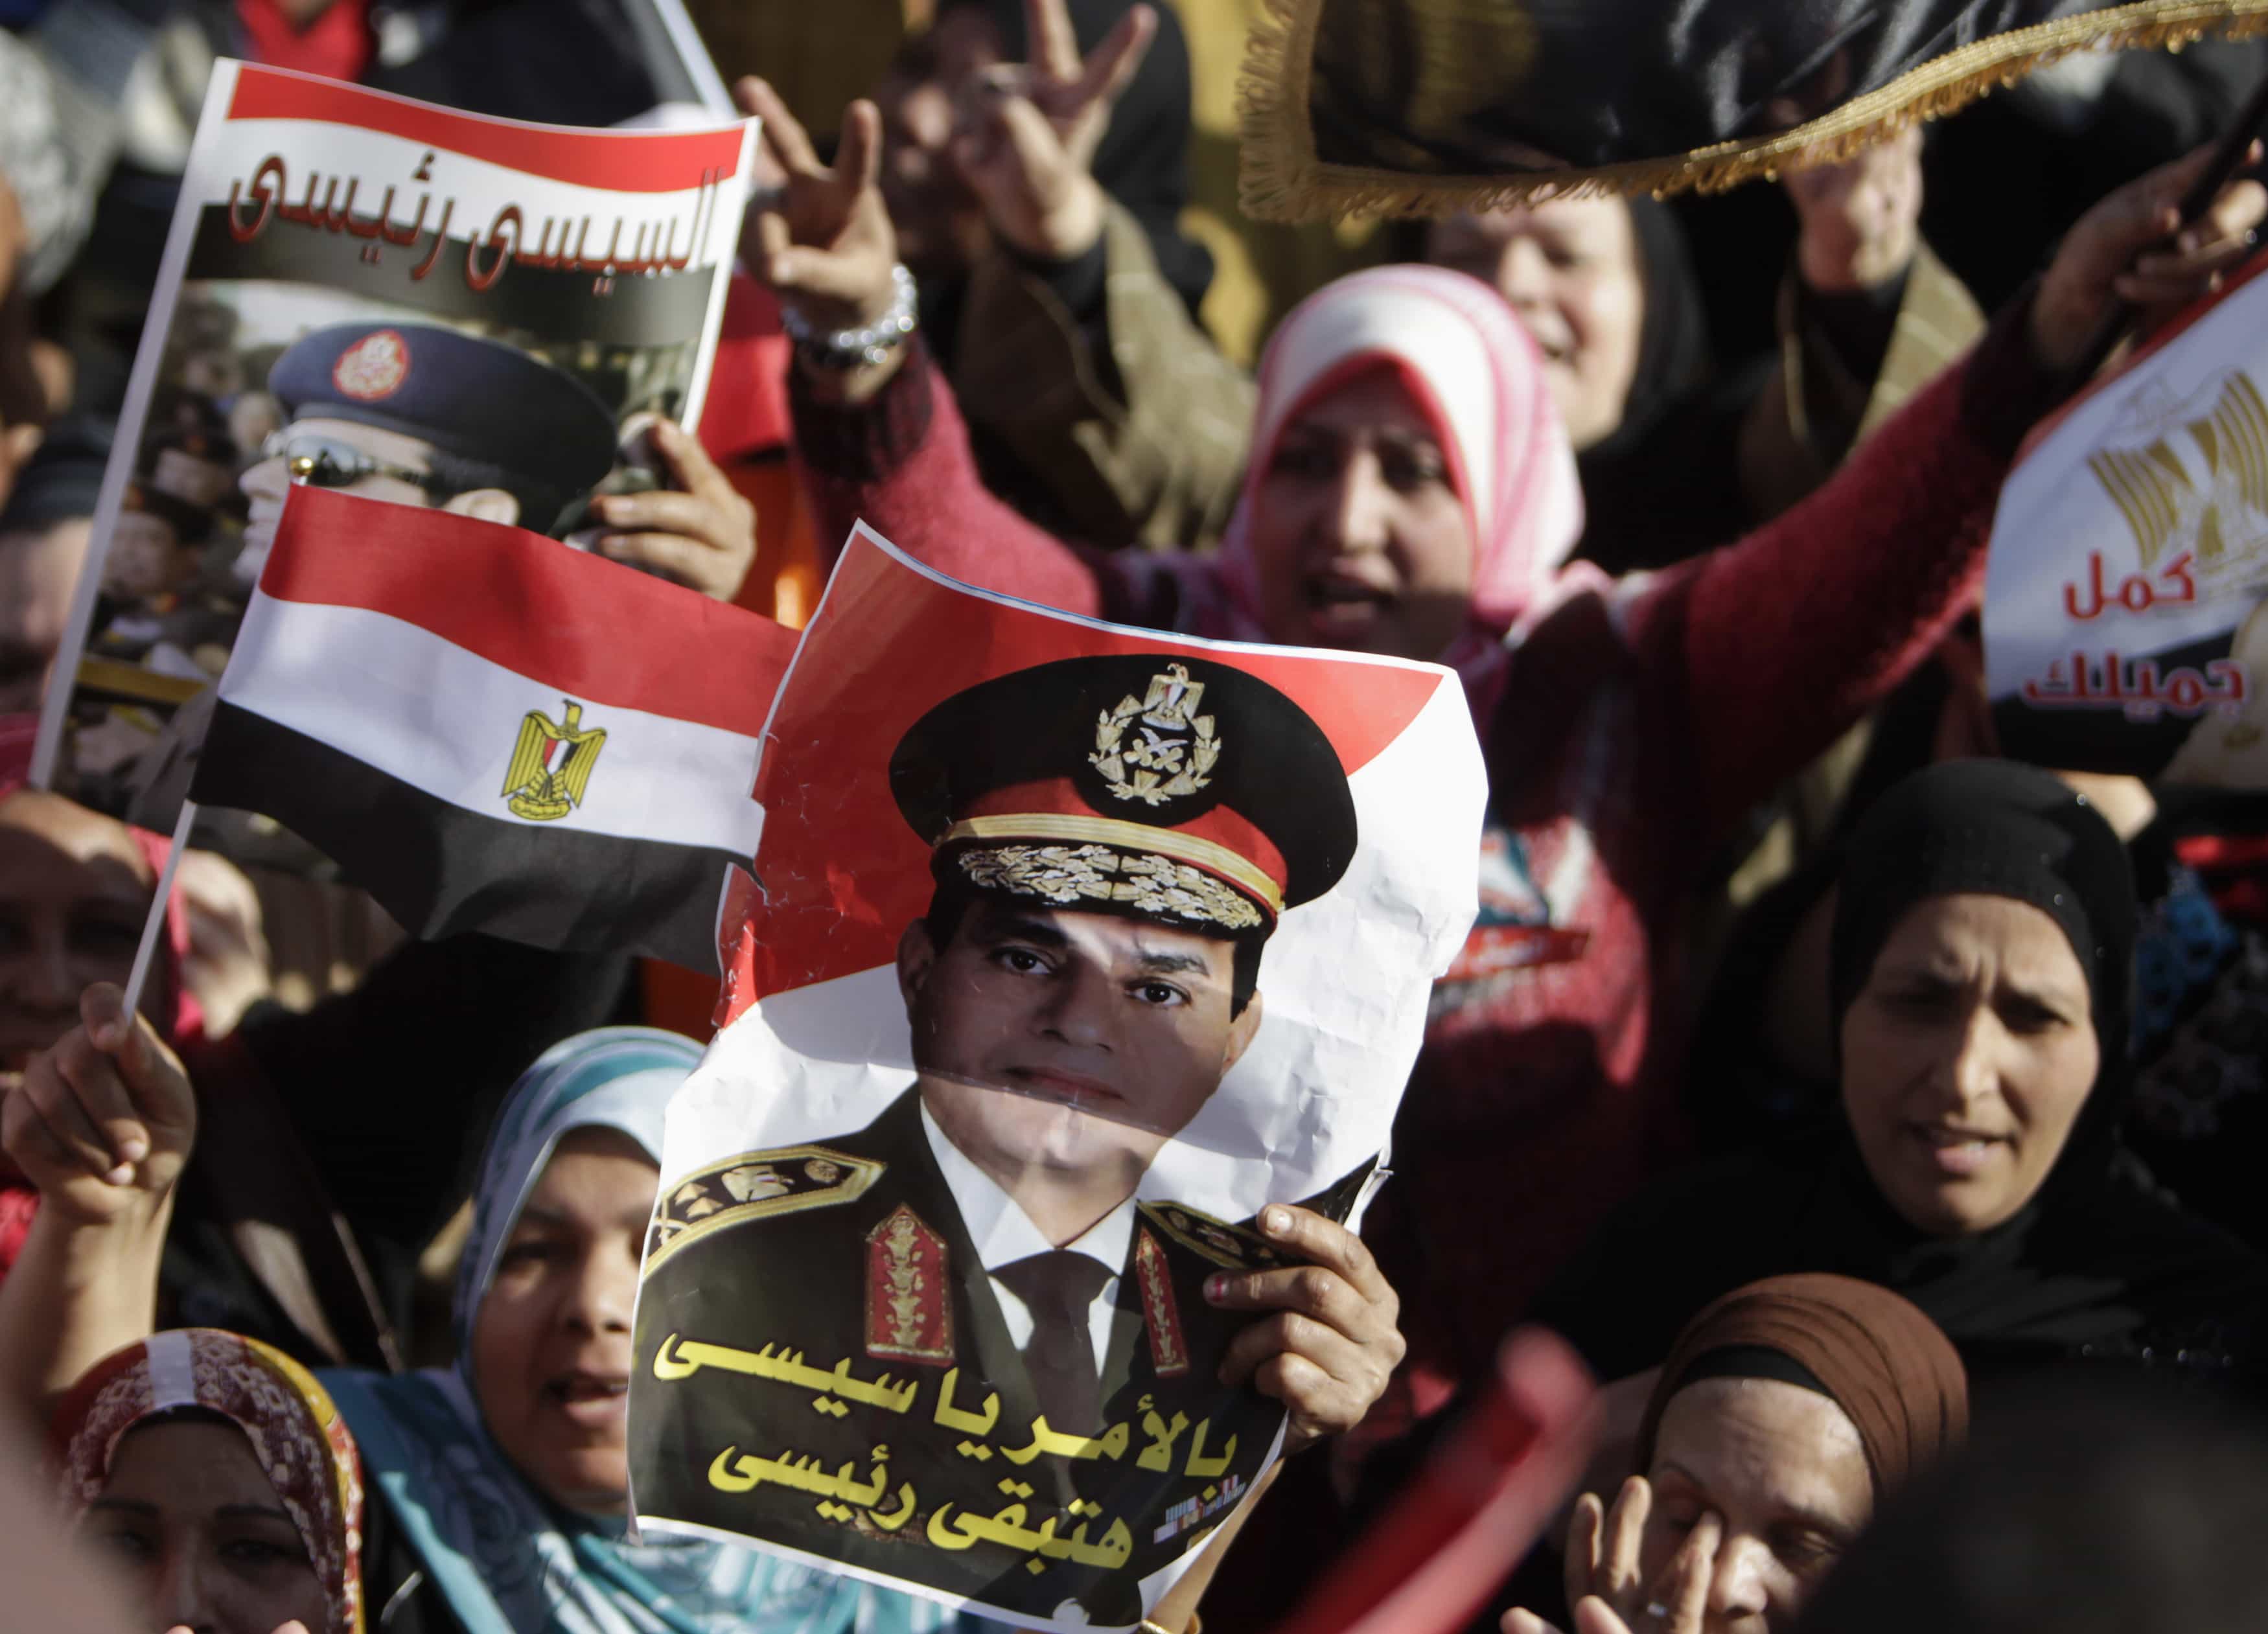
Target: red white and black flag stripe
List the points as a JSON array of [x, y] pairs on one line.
[[421, 696]]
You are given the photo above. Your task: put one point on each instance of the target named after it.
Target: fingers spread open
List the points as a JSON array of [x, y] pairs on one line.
[[858, 158], [1117, 59], [784, 133], [1584, 1567], [1052, 45], [1625, 1532], [1684, 1587]]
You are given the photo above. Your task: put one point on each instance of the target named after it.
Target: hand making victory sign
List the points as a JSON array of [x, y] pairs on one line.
[[1026, 134], [1025, 139]]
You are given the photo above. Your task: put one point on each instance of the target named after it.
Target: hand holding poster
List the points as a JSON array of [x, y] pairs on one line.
[[1078, 945], [2124, 629], [1431, 106], [392, 299]]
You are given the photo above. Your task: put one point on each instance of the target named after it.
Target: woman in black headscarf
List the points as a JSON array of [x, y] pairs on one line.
[[1982, 973]]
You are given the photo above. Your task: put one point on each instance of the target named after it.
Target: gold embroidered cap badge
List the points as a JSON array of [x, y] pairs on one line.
[[1173, 749]]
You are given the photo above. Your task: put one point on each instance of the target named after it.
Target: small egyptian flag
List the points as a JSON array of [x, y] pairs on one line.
[[489, 731]]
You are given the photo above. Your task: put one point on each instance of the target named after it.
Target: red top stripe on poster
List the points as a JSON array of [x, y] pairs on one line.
[[622, 161], [579, 623]]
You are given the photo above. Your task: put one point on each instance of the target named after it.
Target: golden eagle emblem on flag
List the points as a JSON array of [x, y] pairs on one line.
[[2193, 475], [551, 764]]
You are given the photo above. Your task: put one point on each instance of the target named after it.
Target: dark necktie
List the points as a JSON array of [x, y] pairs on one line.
[[1058, 1287]]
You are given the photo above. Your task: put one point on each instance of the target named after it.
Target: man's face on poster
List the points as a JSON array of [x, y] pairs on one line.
[[1069, 1040], [405, 458]]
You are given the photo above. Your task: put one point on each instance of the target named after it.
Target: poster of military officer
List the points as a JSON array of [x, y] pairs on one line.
[[419, 305], [942, 1302]]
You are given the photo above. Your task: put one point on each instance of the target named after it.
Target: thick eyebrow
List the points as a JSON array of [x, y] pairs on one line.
[[126, 1506], [1019, 928], [1154, 963]]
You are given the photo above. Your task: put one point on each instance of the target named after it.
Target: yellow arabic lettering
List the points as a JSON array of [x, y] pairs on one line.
[[1201, 1467], [1160, 1454], [905, 1510], [1008, 1529], [682, 1358], [732, 1470], [1110, 1444], [960, 1418]]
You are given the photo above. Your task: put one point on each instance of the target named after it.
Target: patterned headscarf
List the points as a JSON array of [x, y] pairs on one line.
[[1477, 375], [301, 1442]]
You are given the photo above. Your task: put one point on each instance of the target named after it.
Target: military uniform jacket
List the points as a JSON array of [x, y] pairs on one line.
[[825, 1303]]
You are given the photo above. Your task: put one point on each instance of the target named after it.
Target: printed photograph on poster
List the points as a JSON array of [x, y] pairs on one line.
[[2124, 622], [1076, 945], [388, 298]]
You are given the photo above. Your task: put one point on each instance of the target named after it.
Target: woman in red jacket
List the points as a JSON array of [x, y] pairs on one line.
[[1411, 492]]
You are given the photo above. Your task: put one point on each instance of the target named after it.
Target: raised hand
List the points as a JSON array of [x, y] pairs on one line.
[[1024, 134], [1331, 1344], [2120, 251], [823, 239], [1605, 1582], [103, 1122]]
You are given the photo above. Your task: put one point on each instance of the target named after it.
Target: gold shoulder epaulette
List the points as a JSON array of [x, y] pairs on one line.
[[1238, 1248], [755, 1186]]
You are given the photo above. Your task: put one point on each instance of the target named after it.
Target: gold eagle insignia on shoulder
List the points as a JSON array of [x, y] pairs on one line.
[[1237, 1248], [755, 1186], [551, 768]]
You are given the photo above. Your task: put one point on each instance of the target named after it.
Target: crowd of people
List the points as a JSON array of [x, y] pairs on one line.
[[1872, 1113]]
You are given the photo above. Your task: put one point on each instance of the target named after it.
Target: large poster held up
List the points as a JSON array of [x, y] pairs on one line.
[[1077, 945]]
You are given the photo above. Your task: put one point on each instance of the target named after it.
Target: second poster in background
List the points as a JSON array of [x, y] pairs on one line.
[[407, 302]]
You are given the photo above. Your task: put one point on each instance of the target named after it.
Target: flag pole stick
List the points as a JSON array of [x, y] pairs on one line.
[[154, 927]]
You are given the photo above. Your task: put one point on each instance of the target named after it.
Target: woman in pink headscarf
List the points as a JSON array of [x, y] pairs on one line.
[[1410, 491]]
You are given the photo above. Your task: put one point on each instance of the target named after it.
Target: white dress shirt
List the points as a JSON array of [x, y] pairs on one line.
[[1004, 1234]]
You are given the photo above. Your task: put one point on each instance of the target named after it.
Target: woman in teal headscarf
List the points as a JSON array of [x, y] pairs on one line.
[[501, 1482]]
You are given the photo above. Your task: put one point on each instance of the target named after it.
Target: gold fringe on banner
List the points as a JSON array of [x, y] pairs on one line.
[[1280, 179]]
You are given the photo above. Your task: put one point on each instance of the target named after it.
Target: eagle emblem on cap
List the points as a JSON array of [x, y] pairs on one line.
[[373, 367], [551, 762], [1157, 747]]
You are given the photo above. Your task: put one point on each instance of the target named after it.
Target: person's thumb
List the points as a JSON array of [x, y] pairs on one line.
[[154, 1078], [102, 1010]]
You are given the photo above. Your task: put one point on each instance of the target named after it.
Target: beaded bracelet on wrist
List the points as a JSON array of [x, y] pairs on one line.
[[847, 349]]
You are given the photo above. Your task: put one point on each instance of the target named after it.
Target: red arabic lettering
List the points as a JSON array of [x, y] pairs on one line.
[[2139, 688], [267, 184], [2176, 587]]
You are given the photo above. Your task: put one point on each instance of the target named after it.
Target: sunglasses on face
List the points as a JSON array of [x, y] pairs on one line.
[[327, 462]]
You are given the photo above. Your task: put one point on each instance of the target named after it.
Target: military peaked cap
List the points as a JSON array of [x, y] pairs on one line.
[[1164, 786], [476, 399]]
